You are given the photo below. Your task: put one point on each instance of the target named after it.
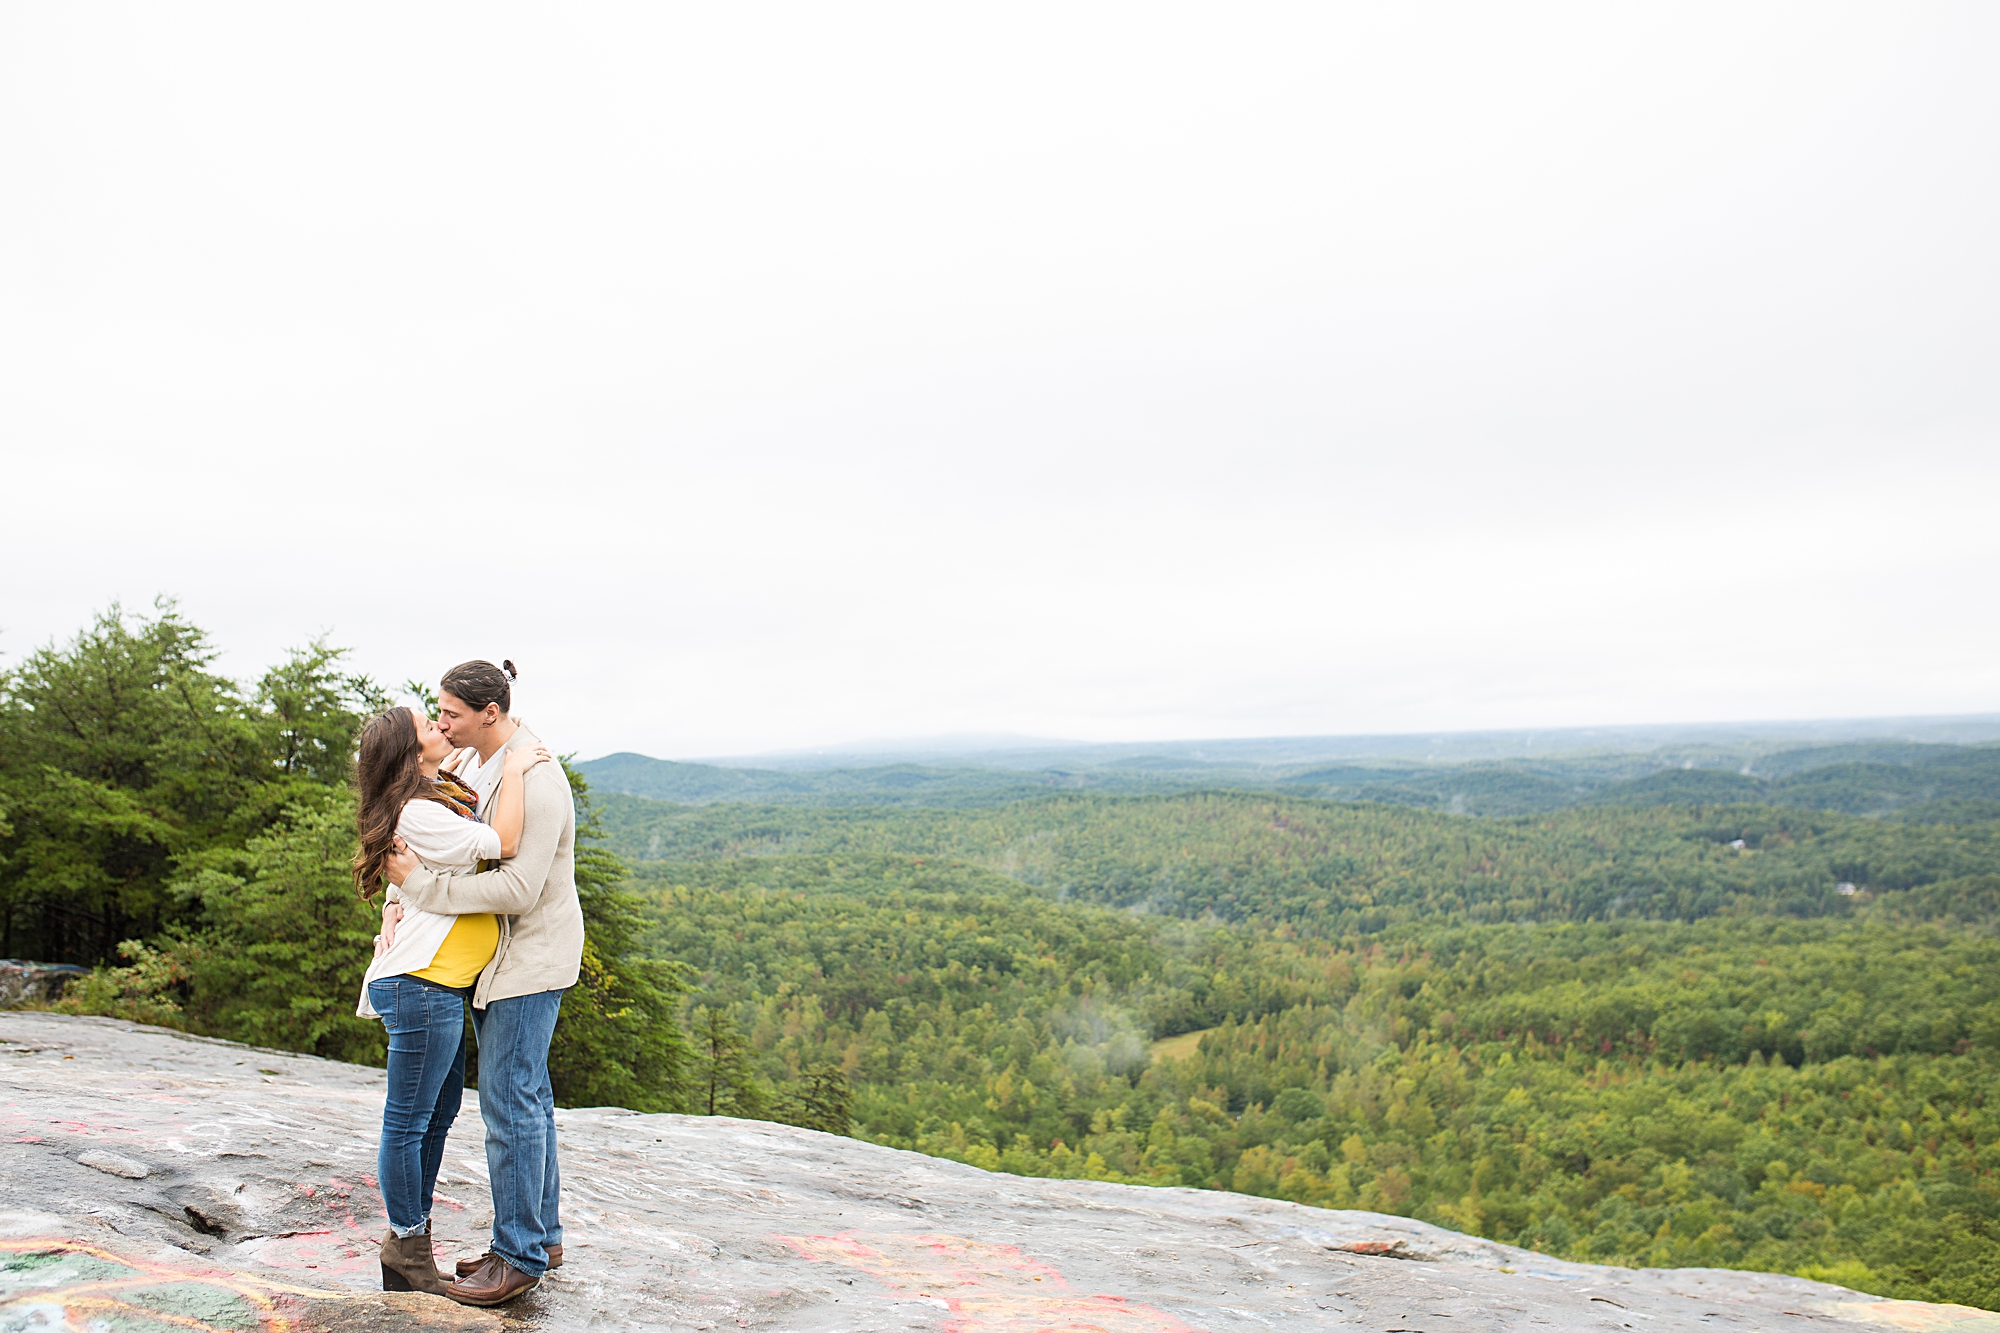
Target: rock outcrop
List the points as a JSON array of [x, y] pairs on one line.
[[154, 1181], [22, 982]]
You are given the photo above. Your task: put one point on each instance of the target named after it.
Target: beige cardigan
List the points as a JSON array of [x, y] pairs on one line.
[[533, 893]]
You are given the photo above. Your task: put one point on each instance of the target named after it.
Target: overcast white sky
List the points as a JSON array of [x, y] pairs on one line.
[[783, 375]]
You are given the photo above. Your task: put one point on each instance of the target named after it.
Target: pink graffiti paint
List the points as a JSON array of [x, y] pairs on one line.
[[985, 1288]]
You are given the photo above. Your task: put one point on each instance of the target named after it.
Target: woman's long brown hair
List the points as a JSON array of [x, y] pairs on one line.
[[388, 774]]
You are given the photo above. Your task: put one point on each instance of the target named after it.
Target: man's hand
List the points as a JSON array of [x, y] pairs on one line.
[[401, 864], [391, 914]]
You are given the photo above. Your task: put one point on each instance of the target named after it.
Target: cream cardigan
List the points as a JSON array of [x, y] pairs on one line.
[[533, 893], [444, 841]]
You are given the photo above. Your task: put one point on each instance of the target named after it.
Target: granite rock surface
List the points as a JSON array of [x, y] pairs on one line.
[[152, 1181]]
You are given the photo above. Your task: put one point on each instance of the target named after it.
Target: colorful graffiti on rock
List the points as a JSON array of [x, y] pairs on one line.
[[1916, 1316], [65, 1286], [59, 1284], [984, 1288]]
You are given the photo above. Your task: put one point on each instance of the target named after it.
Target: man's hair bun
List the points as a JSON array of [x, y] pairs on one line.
[[480, 684], [507, 666]]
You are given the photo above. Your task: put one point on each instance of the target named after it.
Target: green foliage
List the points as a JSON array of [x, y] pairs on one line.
[[1886, 778], [727, 1085], [889, 784], [270, 951], [156, 812], [822, 1099], [859, 929], [124, 757], [1615, 1091], [1870, 784], [146, 990], [1613, 1096], [1689, 786], [116, 754], [1878, 778], [281, 942], [1314, 867], [617, 1042], [311, 714]]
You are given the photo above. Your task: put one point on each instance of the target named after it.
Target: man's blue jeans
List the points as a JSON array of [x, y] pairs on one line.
[[426, 1026], [519, 1107]]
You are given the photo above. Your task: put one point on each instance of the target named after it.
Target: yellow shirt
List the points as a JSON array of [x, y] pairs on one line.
[[465, 952]]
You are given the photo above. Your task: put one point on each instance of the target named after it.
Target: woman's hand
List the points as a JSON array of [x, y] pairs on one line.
[[391, 914], [521, 760], [509, 808], [402, 863]]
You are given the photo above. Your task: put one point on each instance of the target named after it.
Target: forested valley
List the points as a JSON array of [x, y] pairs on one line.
[[1660, 1032]]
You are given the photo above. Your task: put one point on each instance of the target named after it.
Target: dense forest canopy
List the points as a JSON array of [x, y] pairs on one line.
[[1804, 1094], [1326, 868], [1702, 1017]]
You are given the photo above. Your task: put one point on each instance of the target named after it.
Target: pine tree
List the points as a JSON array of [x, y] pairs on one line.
[[821, 1099], [728, 1087]]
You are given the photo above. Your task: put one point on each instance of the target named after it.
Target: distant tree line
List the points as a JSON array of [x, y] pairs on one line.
[[1291, 864]]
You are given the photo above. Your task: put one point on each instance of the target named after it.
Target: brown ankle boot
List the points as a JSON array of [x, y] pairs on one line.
[[443, 1276], [408, 1265]]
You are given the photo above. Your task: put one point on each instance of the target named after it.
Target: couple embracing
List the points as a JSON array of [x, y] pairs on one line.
[[470, 824]]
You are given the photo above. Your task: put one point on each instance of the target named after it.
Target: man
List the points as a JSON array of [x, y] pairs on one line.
[[517, 996]]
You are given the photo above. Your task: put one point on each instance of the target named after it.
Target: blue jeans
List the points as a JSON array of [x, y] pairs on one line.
[[519, 1107], [426, 1026]]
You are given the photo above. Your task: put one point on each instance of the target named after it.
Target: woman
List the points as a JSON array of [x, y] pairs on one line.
[[419, 980]]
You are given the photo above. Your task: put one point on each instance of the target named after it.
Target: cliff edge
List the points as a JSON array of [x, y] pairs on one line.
[[155, 1181]]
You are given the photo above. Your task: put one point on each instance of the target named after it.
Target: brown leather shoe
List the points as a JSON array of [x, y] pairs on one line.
[[494, 1282], [465, 1266]]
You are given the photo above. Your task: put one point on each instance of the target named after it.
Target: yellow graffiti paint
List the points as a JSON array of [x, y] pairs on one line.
[[92, 1282]]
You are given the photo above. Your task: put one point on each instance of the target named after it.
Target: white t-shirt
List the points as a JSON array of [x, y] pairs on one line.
[[481, 777]]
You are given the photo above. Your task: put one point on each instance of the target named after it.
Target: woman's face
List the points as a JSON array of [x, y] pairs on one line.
[[436, 746]]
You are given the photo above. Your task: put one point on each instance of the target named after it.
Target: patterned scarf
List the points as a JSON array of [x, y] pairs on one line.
[[457, 795]]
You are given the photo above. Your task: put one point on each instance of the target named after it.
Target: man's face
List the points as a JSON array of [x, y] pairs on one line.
[[460, 721]]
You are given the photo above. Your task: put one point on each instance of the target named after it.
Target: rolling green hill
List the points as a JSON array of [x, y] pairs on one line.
[[883, 785], [1894, 778], [1685, 786]]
